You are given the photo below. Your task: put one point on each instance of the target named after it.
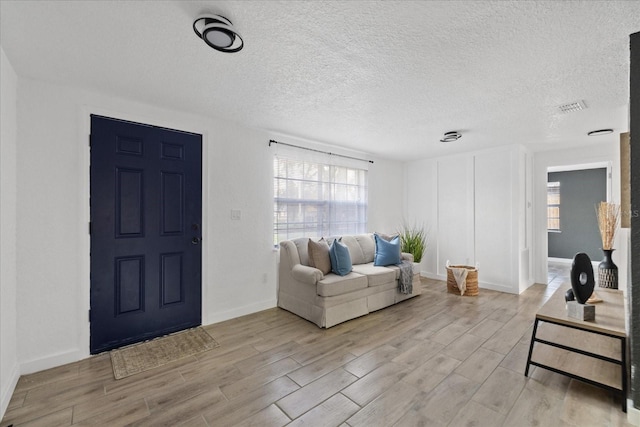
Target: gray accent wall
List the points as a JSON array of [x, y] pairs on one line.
[[580, 191]]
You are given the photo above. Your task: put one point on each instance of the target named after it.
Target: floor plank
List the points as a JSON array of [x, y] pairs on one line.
[[442, 404], [270, 416], [55, 419], [500, 391], [246, 406], [300, 401], [331, 412], [121, 415], [320, 367], [375, 383], [387, 408], [258, 378]]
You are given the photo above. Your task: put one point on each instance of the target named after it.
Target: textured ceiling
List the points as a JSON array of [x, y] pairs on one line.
[[382, 77]]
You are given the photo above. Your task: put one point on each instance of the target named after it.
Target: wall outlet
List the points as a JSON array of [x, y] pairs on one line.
[[236, 214]]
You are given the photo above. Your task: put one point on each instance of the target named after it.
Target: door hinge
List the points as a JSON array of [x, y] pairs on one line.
[[89, 140], [89, 227], [89, 315]]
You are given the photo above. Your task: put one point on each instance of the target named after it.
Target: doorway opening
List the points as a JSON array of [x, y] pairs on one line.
[[573, 191]]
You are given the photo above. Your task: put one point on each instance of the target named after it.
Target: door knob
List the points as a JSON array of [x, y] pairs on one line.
[[195, 241]]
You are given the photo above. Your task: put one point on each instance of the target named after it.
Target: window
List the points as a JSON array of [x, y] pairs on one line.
[[553, 206], [315, 198]]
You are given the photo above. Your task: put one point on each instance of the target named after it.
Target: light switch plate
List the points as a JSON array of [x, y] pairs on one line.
[[236, 214]]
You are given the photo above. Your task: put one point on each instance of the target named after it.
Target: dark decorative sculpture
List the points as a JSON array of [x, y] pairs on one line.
[[582, 281], [568, 296]]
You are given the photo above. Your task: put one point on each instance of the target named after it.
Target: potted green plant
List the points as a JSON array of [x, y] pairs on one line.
[[413, 240]]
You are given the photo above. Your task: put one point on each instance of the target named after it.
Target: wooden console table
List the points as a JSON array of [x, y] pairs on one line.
[[592, 351]]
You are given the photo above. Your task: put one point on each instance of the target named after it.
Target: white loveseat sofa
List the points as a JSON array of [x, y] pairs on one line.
[[327, 300]]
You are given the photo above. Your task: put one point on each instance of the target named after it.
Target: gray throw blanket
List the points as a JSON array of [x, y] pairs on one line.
[[405, 283]]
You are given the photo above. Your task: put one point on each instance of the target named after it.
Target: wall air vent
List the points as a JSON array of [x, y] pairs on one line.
[[572, 107]]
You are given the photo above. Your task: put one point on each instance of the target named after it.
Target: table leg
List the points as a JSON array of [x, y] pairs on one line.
[[533, 336], [623, 356]]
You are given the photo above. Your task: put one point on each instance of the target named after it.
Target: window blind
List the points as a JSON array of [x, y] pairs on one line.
[[316, 197]]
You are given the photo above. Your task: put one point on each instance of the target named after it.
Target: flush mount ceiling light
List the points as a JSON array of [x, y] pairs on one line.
[[600, 132], [451, 136], [218, 32]]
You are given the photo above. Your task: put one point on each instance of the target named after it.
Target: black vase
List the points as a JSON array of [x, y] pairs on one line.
[[608, 271]]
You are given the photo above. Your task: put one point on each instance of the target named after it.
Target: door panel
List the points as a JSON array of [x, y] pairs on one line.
[[146, 208], [172, 192], [129, 196]]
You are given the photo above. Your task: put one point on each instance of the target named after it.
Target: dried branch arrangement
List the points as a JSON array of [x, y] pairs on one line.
[[608, 218]]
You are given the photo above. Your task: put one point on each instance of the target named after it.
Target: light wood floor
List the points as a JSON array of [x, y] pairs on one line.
[[438, 359]]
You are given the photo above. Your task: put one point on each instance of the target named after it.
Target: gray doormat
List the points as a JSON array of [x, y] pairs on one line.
[[141, 357]]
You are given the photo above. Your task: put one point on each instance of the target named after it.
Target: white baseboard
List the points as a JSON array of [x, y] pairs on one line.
[[52, 361], [499, 288], [570, 261], [633, 414], [560, 260], [240, 311], [433, 276], [7, 391], [481, 285]]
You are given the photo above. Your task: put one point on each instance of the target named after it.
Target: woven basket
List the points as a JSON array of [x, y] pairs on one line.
[[472, 281]]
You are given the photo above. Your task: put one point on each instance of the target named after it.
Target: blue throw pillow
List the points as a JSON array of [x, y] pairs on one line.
[[387, 253], [340, 258]]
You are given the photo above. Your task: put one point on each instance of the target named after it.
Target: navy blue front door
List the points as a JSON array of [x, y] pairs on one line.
[[146, 210]]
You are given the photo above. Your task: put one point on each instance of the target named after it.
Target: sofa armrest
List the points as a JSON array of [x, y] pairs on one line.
[[306, 274], [407, 256]]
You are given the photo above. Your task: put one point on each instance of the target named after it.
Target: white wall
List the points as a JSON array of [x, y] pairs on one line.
[[239, 263], [433, 183], [605, 152], [9, 368], [496, 218], [421, 178], [474, 205], [454, 222], [526, 220], [386, 196]]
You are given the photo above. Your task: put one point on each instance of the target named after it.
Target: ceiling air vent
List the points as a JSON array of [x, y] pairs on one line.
[[572, 107]]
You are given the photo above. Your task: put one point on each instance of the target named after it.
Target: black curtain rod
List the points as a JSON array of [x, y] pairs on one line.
[[271, 141]]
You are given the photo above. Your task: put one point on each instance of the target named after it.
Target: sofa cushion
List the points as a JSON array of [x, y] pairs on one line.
[[332, 284], [395, 269], [388, 237], [376, 276], [302, 244], [387, 253], [368, 246], [319, 255], [357, 257], [340, 258]]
